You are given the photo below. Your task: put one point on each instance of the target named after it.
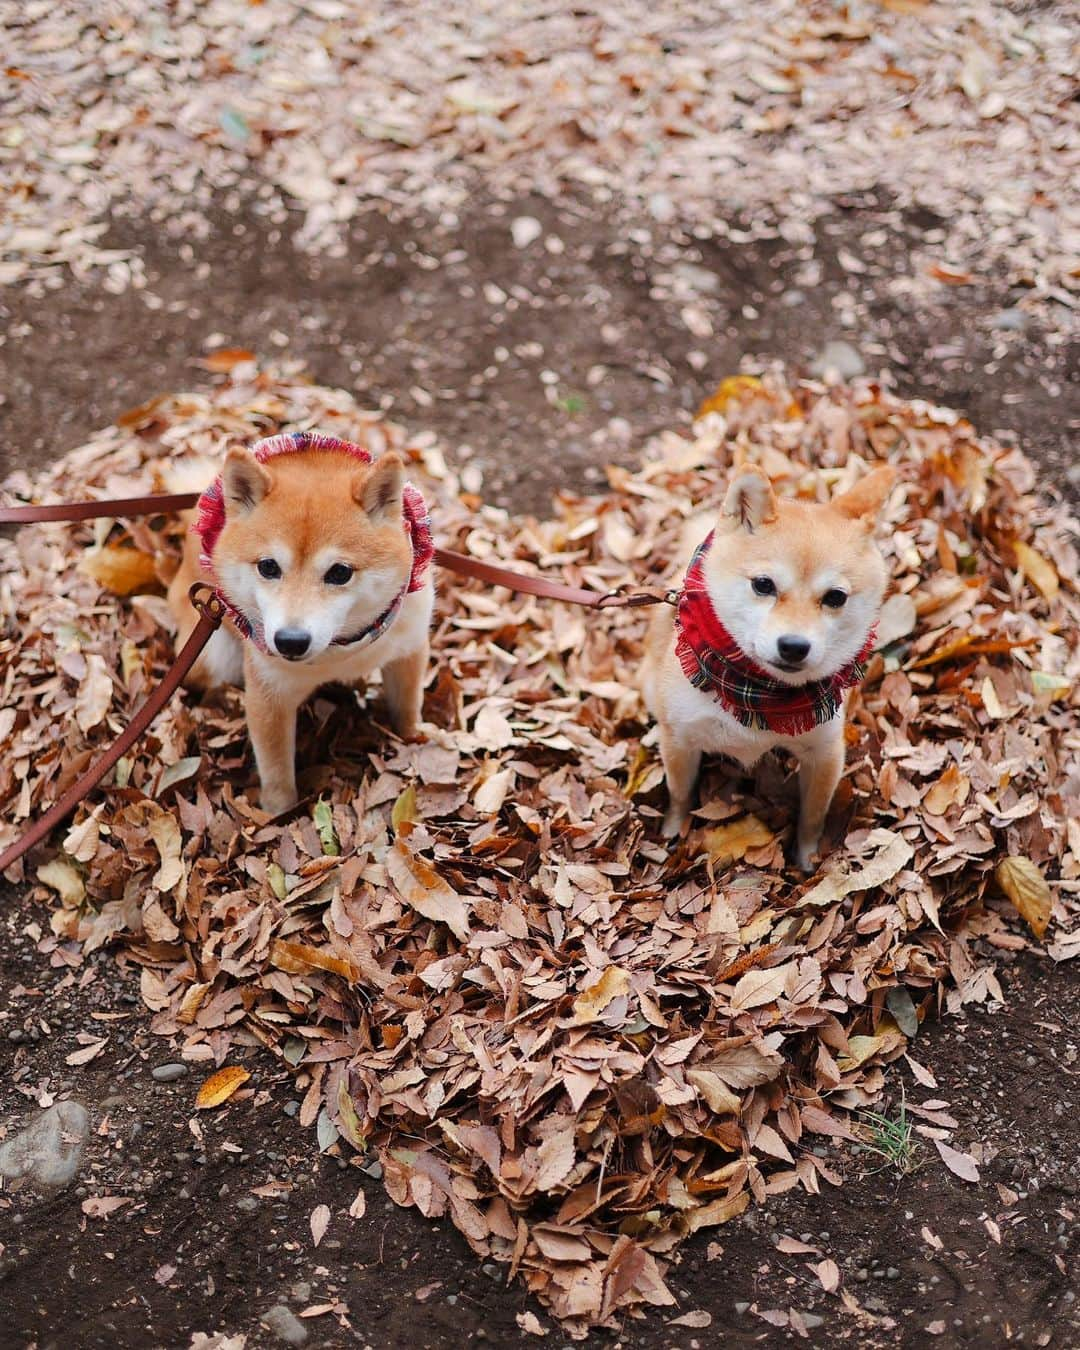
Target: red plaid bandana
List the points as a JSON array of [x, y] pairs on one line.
[[210, 521], [714, 662]]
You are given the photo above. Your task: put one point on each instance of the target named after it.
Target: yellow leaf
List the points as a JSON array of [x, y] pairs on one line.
[[65, 880], [1028, 889], [404, 810], [1039, 571], [121, 569], [348, 1120], [296, 958], [990, 699], [589, 1005], [732, 840], [729, 390], [191, 1002], [220, 1086]]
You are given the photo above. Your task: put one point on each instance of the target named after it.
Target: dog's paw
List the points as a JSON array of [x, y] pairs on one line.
[[675, 821], [805, 855], [276, 801]]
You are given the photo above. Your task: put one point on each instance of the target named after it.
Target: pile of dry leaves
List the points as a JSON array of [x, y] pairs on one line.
[[475, 952]]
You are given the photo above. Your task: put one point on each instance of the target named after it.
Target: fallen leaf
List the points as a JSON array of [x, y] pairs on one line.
[[220, 1086], [963, 1164], [225, 359], [1027, 888], [887, 853], [420, 886], [828, 1272], [758, 987], [65, 879], [94, 698], [320, 1220], [121, 569], [1039, 570], [101, 1206], [589, 1004], [732, 840]]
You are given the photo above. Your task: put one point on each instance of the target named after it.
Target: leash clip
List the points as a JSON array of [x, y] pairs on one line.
[[207, 601], [617, 599]]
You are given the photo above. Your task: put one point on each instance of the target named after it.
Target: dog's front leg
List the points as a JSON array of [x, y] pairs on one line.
[[271, 719], [820, 767], [682, 760], [403, 682]]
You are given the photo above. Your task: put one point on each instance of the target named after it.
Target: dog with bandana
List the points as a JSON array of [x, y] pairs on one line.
[[775, 620]]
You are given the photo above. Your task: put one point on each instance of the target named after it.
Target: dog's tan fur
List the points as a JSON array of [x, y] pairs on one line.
[[309, 511], [808, 548]]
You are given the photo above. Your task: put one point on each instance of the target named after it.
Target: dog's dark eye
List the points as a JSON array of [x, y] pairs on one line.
[[268, 569], [338, 575], [835, 599], [763, 586]]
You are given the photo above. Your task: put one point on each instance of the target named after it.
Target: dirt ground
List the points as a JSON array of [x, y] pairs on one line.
[[541, 365]]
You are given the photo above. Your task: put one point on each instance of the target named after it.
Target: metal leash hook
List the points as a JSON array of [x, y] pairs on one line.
[[207, 601], [617, 599]]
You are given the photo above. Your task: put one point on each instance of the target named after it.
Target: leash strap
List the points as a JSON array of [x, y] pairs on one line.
[[211, 612], [157, 504], [161, 503]]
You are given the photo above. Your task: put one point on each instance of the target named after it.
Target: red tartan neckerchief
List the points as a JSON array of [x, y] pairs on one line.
[[210, 521], [715, 663]]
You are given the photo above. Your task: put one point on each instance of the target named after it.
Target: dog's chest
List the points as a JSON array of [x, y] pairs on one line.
[[702, 721]]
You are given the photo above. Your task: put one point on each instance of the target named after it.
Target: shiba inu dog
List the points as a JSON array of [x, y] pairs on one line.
[[773, 625], [322, 557]]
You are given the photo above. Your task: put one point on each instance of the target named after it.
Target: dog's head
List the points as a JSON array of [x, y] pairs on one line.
[[313, 547], [798, 585]]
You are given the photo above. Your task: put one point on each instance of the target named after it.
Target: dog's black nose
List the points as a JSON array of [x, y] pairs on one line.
[[292, 642], [792, 649]]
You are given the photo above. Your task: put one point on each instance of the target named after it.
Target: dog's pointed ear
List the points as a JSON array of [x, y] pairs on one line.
[[750, 500], [867, 497], [379, 490], [244, 481]]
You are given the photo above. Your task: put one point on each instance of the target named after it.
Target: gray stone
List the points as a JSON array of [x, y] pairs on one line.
[[285, 1325], [812, 1320], [839, 358], [49, 1150], [742, 1307], [169, 1073], [1010, 320]]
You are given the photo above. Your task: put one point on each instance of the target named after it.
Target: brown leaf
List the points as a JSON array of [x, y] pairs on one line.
[[298, 959], [225, 359], [420, 886], [963, 1164]]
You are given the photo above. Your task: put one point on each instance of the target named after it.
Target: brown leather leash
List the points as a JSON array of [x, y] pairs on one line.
[[212, 611]]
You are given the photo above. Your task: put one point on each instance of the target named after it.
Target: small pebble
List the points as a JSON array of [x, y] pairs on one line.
[[742, 1307], [291, 1108], [169, 1073], [892, 1273], [1009, 320]]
